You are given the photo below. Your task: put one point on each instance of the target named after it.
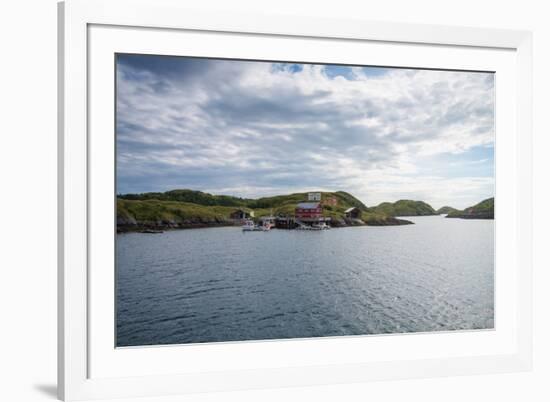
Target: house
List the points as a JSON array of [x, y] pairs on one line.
[[308, 211], [241, 213], [353, 213], [314, 196]]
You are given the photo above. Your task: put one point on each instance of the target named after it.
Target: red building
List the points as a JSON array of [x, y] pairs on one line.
[[308, 211]]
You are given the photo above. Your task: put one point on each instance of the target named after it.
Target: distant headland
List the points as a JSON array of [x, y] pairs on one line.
[[483, 210]]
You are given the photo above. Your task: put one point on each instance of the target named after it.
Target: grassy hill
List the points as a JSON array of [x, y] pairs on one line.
[[190, 196], [206, 199], [405, 208], [483, 210], [445, 210], [159, 213], [188, 208]]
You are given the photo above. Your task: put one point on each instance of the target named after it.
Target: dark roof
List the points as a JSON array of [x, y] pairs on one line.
[[308, 205]]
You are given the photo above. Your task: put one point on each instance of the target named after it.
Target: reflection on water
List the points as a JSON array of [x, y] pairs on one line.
[[220, 284]]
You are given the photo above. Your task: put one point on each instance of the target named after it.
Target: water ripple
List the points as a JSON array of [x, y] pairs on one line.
[[209, 285]]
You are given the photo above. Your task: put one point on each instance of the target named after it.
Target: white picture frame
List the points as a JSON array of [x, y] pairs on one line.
[[90, 367]]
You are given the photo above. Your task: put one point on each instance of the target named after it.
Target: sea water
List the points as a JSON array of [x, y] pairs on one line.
[[223, 284]]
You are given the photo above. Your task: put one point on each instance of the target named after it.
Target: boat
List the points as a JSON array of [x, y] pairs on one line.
[[266, 226], [315, 226], [267, 222], [151, 231], [306, 227], [249, 226]]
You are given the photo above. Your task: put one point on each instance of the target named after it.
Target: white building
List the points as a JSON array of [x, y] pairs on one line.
[[314, 196]]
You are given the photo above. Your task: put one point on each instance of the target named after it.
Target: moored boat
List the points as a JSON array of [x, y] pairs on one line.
[[266, 226], [315, 226], [151, 231], [249, 226]]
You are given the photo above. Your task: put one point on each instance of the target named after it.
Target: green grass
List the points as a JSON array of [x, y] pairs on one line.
[[405, 208], [483, 210], [446, 210], [170, 211], [190, 196], [206, 199]]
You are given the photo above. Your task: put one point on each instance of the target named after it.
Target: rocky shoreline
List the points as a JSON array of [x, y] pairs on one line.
[[480, 215], [125, 225], [128, 225]]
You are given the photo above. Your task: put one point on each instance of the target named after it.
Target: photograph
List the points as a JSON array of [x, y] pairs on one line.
[[266, 200], [290, 201]]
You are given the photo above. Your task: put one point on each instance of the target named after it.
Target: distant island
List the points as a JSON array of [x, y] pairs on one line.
[[405, 208], [483, 210], [446, 210], [183, 209]]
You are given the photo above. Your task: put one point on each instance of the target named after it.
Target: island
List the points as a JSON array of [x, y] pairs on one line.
[[405, 208], [445, 210], [483, 210], [185, 209]]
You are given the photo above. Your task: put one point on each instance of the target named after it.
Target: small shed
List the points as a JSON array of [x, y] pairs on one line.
[[242, 213], [353, 213]]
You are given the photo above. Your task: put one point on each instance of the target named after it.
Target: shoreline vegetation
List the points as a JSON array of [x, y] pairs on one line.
[[483, 210], [187, 209]]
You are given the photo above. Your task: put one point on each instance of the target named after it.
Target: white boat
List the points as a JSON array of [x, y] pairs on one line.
[[315, 226], [307, 227], [249, 226], [266, 226]]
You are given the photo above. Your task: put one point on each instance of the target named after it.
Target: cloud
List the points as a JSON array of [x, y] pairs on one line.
[[255, 128]]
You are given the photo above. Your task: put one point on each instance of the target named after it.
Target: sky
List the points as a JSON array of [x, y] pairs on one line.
[[254, 129]]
